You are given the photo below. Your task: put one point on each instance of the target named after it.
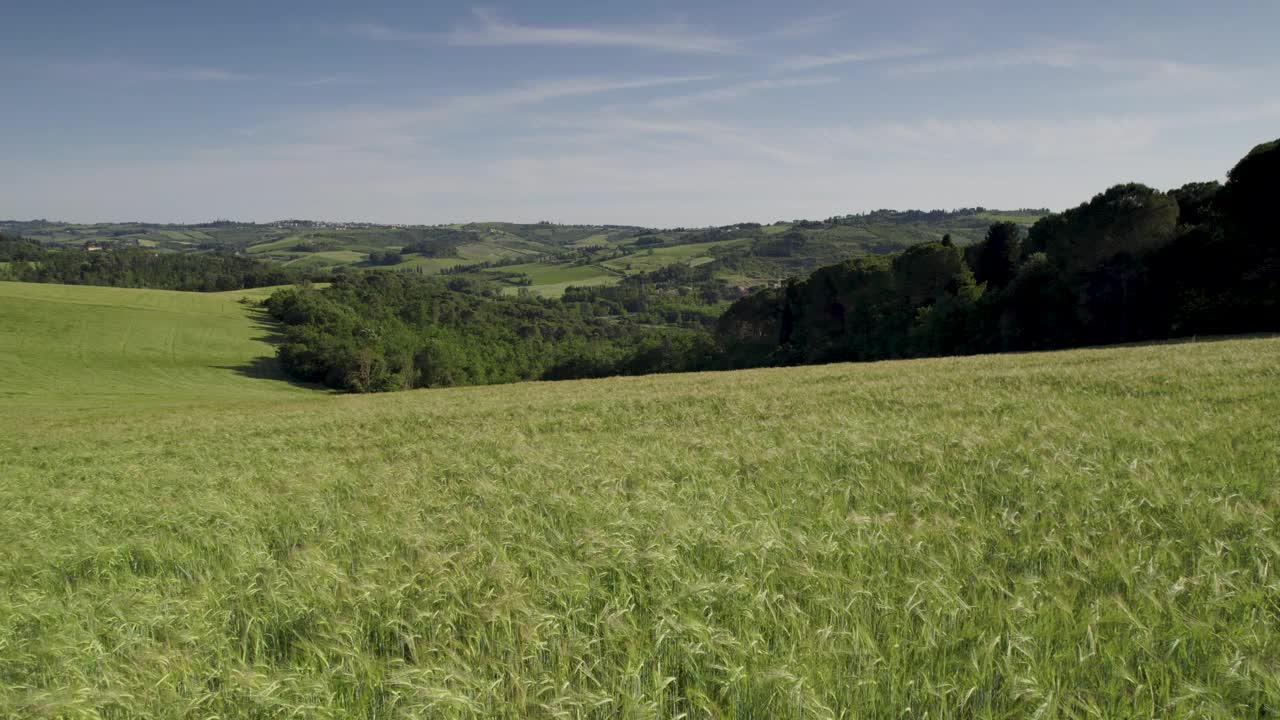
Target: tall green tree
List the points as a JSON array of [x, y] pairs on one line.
[[1250, 207], [995, 259], [928, 271]]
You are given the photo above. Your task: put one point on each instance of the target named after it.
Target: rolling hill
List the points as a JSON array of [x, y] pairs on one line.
[[1083, 533], [104, 349], [546, 258]]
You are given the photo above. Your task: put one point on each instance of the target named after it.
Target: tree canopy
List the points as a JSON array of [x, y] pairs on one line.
[[1130, 264], [391, 331]]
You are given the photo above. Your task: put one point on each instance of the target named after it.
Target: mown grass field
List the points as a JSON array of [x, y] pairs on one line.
[[1079, 534]]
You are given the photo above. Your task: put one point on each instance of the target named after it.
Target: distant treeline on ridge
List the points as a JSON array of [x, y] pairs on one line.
[[28, 261]]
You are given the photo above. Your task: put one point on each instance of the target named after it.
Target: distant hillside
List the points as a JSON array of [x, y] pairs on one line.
[[545, 258]]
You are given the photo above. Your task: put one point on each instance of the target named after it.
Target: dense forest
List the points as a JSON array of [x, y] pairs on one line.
[[27, 261], [1131, 264], [372, 332]]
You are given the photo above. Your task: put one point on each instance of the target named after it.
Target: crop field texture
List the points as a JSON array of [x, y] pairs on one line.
[[1090, 533]]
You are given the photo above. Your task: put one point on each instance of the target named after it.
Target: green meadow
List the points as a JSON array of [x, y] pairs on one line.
[[657, 258], [185, 534], [67, 350], [551, 280]]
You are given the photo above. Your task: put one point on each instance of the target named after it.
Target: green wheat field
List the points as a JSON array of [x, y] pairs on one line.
[[185, 534]]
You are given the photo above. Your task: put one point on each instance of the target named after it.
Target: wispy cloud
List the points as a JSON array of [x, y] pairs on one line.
[[491, 30], [198, 74], [552, 90], [401, 126], [1037, 139], [326, 80], [812, 62], [488, 30], [384, 33], [1063, 57], [611, 129], [1269, 110], [125, 72], [635, 170], [742, 89], [1031, 139], [809, 26]]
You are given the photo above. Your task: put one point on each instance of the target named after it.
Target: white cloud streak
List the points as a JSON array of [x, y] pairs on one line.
[[542, 92], [741, 90], [128, 73], [491, 30], [401, 126], [1064, 57], [981, 138], [812, 62], [809, 26], [382, 33], [612, 130]]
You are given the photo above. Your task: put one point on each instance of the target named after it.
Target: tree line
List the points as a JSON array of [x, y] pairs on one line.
[[1131, 264], [27, 261]]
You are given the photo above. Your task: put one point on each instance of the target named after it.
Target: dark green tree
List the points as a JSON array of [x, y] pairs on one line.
[[995, 260], [927, 271], [1130, 219], [1196, 202]]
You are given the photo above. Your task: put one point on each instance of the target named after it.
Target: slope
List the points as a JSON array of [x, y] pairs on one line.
[[1084, 533], [100, 348]]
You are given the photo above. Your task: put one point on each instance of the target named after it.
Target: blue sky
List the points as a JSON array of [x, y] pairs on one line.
[[661, 113]]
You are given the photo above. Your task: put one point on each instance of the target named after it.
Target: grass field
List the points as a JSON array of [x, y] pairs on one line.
[[596, 239], [71, 349], [339, 257], [428, 264], [1022, 218], [1089, 533], [646, 261], [551, 280], [557, 289], [489, 250]]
